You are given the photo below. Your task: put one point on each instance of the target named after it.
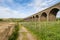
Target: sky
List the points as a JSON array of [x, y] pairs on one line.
[[24, 8]]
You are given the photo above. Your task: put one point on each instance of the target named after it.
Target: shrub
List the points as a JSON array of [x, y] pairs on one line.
[[15, 33]]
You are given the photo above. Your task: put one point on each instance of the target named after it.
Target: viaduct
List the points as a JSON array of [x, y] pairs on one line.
[[48, 14]]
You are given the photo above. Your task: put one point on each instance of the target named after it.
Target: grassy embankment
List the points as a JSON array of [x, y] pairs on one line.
[[15, 33], [44, 30]]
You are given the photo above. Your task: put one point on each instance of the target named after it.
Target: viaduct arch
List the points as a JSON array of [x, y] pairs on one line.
[[53, 13], [48, 14], [43, 16]]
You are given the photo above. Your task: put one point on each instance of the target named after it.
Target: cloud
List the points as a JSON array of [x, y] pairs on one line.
[[9, 8], [8, 13], [39, 5], [58, 14]]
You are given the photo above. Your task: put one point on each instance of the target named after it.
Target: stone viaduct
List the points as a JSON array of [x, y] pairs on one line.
[[48, 14]]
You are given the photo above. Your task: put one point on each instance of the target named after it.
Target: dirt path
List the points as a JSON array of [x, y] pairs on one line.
[[6, 30], [24, 34]]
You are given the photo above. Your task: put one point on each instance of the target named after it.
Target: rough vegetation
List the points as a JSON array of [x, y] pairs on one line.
[[44, 30], [15, 33]]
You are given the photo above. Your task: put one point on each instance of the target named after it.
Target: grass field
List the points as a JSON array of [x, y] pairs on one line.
[[44, 30]]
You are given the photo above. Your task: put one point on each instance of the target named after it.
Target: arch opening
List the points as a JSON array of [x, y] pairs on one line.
[[43, 17], [58, 16], [37, 16], [33, 17], [52, 14]]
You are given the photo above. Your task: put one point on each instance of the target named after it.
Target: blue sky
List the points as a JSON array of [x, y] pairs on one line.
[[24, 8]]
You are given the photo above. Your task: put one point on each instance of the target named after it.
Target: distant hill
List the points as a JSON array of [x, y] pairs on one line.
[[11, 19]]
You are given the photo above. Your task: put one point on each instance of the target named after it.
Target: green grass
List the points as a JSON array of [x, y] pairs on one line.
[[15, 33], [44, 30]]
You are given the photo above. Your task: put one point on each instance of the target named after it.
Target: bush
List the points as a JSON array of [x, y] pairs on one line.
[[1, 19], [15, 33]]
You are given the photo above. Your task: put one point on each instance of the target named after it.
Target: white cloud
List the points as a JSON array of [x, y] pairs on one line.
[[8, 13], [37, 5], [58, 14]]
